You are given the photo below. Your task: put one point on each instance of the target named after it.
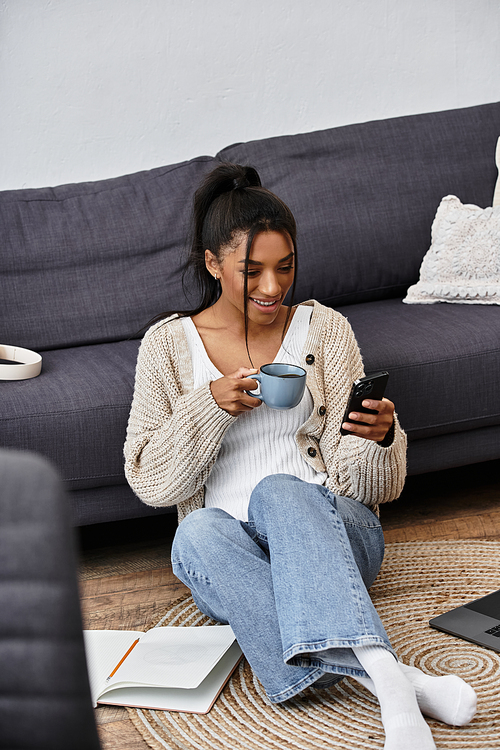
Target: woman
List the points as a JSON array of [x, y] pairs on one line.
[[280, 537]]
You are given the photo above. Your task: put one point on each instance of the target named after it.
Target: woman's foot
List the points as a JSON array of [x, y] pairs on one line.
[[405, 727], [448, 698]]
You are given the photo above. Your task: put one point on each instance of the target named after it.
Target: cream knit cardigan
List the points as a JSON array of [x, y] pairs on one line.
[[175, 432]]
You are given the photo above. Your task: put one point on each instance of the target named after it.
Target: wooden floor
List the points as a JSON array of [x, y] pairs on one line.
[[126, 577]]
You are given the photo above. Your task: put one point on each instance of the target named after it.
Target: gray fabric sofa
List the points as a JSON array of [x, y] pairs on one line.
[[84, 267]]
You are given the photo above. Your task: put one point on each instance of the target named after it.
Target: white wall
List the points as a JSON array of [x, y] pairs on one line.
[[91, 89]]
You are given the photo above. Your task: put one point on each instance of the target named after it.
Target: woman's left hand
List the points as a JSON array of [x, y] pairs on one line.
[[378, 425]]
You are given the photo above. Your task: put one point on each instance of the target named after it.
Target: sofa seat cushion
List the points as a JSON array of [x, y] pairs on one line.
[[75, 412], [442, 359]]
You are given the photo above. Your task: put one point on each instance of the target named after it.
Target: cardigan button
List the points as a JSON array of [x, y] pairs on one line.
[[322, 411], [310, 359], [312, 452]]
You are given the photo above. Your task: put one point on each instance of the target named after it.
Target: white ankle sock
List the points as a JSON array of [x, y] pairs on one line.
[[447, 698], [404, 725]]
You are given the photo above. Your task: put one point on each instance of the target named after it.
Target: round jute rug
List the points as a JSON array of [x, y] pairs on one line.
[[418, 580]]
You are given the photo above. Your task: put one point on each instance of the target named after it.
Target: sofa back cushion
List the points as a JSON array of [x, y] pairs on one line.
[[94, 262], [365, 196]]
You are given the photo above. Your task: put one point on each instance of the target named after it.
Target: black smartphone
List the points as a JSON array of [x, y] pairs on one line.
[[371, 386]]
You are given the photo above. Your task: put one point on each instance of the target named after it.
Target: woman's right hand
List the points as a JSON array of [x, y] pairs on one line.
[[229, 391]]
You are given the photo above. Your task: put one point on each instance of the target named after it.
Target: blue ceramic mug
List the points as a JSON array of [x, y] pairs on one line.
[[281, 386]]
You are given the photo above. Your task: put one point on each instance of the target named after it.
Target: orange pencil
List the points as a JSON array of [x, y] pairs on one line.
[[122, 660]]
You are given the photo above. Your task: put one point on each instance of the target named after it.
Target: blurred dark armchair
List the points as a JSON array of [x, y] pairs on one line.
[[44, 692]]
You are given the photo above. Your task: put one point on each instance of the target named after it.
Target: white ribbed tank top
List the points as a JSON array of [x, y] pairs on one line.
[[262, 441]]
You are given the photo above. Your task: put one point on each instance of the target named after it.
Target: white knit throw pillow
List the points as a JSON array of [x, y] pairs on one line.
[[462, 264]]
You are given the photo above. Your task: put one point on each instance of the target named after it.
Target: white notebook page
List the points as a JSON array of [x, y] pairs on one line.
[[173, 657]]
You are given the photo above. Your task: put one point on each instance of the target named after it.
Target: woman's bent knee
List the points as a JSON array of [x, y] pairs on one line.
[[200, 531], [279, 493], [276, 483], [277, 488], [203, 521]]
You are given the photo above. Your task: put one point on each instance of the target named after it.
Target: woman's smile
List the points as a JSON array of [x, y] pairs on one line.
[[268, 306]]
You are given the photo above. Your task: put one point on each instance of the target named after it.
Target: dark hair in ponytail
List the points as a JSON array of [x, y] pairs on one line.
[[231, 201]]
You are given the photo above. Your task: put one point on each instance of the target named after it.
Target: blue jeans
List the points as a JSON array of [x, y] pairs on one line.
[[292, 581]]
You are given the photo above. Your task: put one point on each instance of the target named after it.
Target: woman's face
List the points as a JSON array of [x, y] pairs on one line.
[[270, 276]]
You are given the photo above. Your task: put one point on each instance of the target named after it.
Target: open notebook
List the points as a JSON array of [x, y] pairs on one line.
[[166, 668]]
